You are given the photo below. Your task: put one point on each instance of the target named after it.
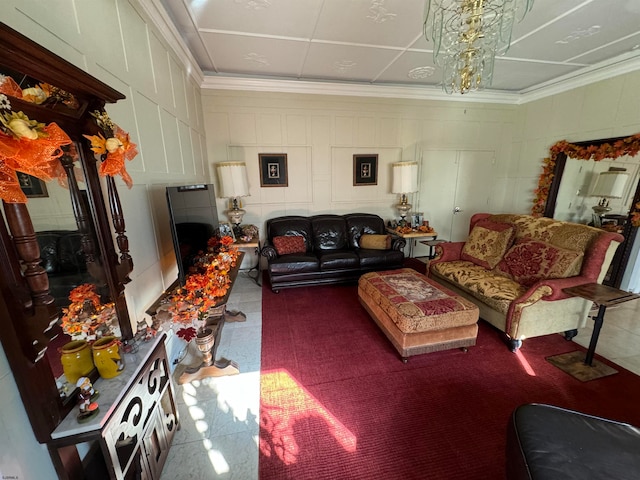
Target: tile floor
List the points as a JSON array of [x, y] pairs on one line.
[[219, 416]]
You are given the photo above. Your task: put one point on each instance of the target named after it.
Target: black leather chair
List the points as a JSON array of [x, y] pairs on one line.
[[545, 442]]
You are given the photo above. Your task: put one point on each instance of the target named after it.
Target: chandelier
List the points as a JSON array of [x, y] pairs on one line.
[[467, 35]]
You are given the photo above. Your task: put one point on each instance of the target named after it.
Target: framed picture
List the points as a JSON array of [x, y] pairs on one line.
[[416, 219], [273, 170], [226, 230], [365, 169], [32, 186]]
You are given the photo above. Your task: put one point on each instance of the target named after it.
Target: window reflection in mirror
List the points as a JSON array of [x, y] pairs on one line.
[[575, 200]]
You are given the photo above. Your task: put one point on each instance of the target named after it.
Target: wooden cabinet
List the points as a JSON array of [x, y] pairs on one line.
[[137, 420]]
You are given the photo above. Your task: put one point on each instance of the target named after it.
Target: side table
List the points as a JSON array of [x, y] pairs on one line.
[[254, 244], [603, 296], [413, 237]]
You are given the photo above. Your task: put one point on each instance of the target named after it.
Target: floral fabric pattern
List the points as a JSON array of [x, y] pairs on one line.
[[494, 289], [487, 243], [530, 261], [416, 303], [288, 244]]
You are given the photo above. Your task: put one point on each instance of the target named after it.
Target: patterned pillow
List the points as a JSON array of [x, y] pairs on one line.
[[375, 242], [487, 243], [529, 261], [289, 244]]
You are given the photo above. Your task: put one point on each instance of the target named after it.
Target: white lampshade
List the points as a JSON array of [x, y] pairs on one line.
[[233, 179], [405, 177], [610, 184]]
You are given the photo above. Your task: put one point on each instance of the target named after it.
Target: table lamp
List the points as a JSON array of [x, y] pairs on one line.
[[233, 185], [608, 185], [405, 180]]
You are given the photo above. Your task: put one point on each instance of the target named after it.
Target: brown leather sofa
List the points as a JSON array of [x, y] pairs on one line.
[[330, 249]]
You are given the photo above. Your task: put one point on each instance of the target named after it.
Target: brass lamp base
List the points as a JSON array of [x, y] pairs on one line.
[[404, 207]]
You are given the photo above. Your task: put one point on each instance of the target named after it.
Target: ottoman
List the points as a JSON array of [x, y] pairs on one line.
[[417, 314]]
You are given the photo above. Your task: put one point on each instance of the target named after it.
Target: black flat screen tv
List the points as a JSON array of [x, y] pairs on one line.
[[194, 219]]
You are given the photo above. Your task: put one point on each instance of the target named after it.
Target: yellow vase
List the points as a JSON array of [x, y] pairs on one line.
[[108, 357], [76, 360]]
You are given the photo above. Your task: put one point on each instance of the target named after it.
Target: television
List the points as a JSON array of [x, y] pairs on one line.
[[194, 219]]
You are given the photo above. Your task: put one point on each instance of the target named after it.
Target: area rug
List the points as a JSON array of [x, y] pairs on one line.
[[338, 403]]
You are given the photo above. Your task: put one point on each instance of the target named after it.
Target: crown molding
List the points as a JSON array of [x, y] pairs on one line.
[[159, 17], [626, 63], [423, 92]]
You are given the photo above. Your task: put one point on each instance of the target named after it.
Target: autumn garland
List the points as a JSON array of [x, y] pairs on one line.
[[203, 287], [627, 146]]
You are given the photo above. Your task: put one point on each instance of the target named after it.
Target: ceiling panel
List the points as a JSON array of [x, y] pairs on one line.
[[255, 56], [346, 62], [290, 18], [394, 23]]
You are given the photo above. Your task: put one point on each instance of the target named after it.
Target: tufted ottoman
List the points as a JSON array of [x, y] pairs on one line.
[[416, 314]]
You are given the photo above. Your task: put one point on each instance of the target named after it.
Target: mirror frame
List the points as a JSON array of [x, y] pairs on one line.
[[554, 167], [27, 312]]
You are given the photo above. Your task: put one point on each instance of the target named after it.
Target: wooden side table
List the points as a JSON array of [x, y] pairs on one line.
[[413, 237], [603, 296]]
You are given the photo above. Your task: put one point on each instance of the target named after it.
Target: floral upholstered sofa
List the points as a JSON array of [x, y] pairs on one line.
[[514, 268]]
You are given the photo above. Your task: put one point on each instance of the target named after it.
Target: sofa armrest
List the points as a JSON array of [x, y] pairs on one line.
[[553, 288], [398, 243], [448, 252], [269, 252]]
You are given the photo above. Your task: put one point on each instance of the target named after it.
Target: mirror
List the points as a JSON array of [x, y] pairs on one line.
[[569, 179], [576, 199]]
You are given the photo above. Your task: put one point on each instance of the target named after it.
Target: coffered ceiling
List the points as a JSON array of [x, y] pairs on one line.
[[380, 42]]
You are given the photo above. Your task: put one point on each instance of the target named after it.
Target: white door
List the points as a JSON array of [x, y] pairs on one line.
[[454, 184]]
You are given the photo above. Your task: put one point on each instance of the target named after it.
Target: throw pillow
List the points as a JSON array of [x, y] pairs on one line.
[[375, 242], [289, 244], [487, 243], [529, 261]]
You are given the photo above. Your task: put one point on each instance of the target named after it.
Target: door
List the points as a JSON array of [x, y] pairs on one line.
[[454, 184]]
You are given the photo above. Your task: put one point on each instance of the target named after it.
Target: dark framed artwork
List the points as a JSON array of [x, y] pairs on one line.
[[32, 187], [273, 170], [365, 169]]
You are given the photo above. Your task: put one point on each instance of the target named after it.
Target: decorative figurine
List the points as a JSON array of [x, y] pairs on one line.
[[86, 399]]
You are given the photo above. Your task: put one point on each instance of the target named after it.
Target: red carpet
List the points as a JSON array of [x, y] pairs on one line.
[[337, 402]]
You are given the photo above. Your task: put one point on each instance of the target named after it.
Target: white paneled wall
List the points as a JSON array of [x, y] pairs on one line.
[[320, 135]]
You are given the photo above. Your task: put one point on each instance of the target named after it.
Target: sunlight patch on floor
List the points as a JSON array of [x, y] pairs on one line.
[[523, 361], [284, 404]]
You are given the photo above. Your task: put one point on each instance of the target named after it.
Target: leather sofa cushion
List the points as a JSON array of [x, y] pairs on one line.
[[379, 258], [287, 244], [294, 263], [359, 224], [375, 242], [329, 232], [336, 260], [290, 225]]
